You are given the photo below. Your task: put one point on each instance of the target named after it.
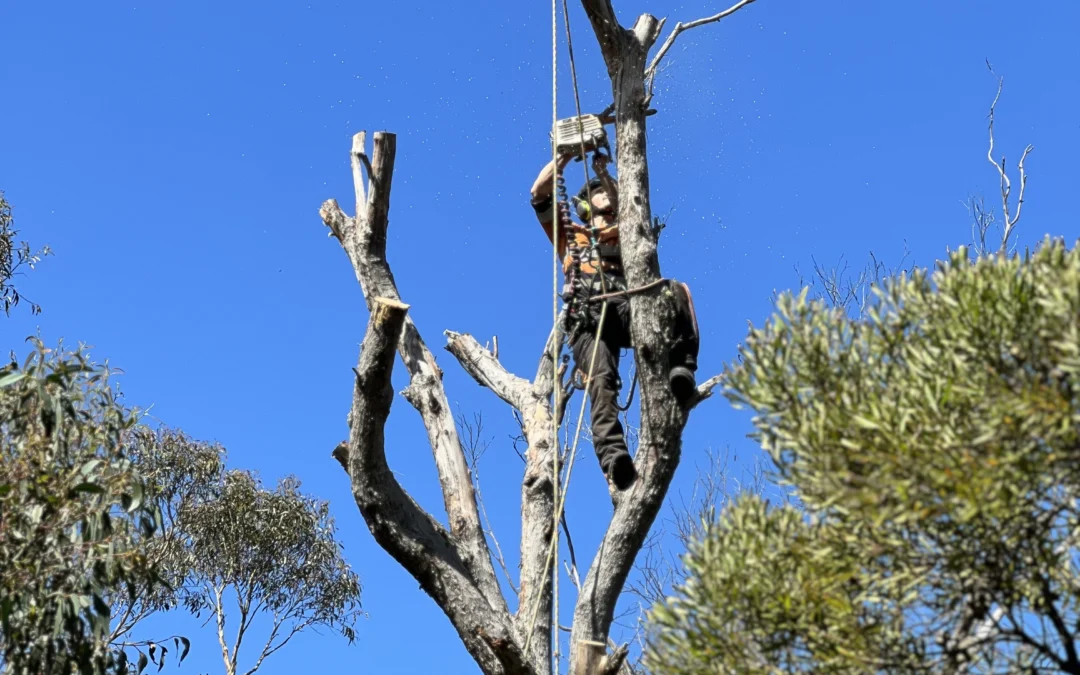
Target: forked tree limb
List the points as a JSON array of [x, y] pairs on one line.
[[401, 527], [460, 576], [364, 240], [1006, 185]]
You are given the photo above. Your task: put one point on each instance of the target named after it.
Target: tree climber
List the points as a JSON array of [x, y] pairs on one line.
[[592, 263]]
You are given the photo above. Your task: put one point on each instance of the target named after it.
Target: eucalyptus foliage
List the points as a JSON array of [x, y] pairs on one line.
[[104, 521], [932, 446], [14, 254], [179, 473], [274, 552], [71, 511], [234, 548]]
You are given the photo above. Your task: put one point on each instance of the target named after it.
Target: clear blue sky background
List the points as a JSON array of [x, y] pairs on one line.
[[175, 156]]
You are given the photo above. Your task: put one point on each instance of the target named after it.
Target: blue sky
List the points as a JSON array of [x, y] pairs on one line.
[[174, 155]]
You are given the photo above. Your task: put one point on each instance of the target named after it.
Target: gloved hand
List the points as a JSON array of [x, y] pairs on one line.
[[600, 162]]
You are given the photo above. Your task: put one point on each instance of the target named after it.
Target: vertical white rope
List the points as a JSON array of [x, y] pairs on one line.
[[556, 384]]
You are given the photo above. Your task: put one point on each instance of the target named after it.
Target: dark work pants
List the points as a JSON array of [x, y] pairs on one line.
[[608, 438]]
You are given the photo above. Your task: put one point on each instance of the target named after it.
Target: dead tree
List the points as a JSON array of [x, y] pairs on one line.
[[454, 565]]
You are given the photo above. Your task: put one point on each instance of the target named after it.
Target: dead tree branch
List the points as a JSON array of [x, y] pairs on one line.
[[486, 369], [532, 401], [399, 525], [662, 419], [364, 240], [650, 72], [1006, 185], [454, 567]]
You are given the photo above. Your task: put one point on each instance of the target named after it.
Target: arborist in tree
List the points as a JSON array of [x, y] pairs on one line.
[[592, 265]]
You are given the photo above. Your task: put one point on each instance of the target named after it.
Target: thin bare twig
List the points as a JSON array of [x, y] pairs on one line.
[[1005, 183], [982, 219], [650, 72], [571, 571], [475, 448]]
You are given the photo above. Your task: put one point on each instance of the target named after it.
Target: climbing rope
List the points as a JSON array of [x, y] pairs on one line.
[[556, 348]]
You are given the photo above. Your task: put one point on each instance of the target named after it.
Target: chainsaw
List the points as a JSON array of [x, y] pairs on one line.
[[579, 135], [570, 135]]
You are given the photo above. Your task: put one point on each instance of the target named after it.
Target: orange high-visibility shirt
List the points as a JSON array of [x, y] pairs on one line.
[[609, 237]]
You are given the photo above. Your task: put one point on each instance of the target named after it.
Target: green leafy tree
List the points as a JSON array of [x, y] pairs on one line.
[[104, 522], [228, 542], [274, 554], [14, 255], [932, 446], [179, 473], [71, 512]]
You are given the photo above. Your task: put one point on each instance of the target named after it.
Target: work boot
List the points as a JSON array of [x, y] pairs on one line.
[[621, 473], [683, 384]]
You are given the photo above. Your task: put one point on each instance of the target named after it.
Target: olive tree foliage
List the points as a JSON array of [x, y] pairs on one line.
[[233, 548], [14, 255], [71, 514], [933, 445], [935, 533]]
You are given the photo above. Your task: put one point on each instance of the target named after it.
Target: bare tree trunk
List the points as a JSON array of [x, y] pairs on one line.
[[455, 566]]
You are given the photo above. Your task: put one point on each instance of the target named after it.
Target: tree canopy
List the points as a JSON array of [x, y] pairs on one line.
[[930, 445]]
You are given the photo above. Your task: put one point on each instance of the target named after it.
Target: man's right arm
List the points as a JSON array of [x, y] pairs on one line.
[[541, 193]]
